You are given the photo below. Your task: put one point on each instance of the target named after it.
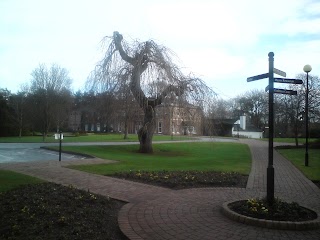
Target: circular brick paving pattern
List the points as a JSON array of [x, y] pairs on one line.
[[196, 214], [159, 213]]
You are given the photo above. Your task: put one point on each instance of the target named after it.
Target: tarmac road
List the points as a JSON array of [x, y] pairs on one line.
[[26, 152]]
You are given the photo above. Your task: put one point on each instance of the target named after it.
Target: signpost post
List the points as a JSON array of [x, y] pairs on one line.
[[270, 169], [272, 90], [60, 137]]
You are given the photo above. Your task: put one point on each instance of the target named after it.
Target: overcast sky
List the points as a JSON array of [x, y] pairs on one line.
[[222, 42]]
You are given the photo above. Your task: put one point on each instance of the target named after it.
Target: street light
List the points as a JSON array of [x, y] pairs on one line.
[[239, 112], [171, 120], [307, 68]]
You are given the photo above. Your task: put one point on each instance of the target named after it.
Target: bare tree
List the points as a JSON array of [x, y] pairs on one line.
[[127, 108], [7, 114], [314, 95], [51, 96], [18, 102], [140, 65], [289, 113], [255, 104]]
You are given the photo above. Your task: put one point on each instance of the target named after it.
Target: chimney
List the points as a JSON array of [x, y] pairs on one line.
[[243, 122]]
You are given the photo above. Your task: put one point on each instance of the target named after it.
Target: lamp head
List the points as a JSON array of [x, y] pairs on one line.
[[307, 68]]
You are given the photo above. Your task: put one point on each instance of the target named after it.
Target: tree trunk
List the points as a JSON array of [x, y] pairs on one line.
[[143, 58], [126, 128], [145, 133], [20, 126], [296, 133]]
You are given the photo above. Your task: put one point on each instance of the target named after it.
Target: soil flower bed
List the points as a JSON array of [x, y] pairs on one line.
[[279, 211], [52, 211], [185, 179]]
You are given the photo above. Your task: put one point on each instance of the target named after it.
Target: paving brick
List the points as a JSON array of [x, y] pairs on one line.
[[159, 213]]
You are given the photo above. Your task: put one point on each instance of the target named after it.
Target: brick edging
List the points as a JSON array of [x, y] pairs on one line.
[[124, 223], [281, 225]]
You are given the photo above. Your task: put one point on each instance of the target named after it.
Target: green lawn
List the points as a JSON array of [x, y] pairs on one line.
[[90, 138], [291, 140], [225, 157], [296, 156], [10, 180]]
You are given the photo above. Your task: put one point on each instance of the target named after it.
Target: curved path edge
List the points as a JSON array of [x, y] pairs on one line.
[[159, 213], [197, 213]]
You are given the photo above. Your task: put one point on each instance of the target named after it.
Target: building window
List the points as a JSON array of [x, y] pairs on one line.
[[159, 127]]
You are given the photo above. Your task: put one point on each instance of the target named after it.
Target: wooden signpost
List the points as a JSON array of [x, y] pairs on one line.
[[272, 90]]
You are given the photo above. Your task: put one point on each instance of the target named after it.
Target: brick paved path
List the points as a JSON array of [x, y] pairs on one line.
[[159, 213]]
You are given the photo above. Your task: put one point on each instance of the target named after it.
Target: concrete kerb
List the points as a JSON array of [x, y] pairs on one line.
[[281, 225], [68, 152]]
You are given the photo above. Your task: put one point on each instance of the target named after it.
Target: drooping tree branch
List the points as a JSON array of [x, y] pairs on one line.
[[117, 38], [148, 69]]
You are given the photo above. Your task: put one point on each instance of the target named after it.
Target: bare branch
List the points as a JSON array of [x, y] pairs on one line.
[[150, 72], [117, 38]]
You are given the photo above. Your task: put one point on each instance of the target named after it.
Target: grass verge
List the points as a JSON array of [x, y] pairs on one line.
[[221, 157], [291, 140], [297, 157], [90, 138], [10, 180]]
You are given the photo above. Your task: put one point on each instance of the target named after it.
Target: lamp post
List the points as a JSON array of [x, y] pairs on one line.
[[171, 120], [60, 141], [239, 109], [307, 68]]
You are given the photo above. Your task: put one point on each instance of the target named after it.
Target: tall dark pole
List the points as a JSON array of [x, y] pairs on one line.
[[307, 68], [306, 157], [171, 119], [239, 123], [270, 169], [60, 140]]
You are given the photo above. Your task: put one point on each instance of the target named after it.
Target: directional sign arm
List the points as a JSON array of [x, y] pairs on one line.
[[288, 80], [261, 76], [285, 91], [279, 72]]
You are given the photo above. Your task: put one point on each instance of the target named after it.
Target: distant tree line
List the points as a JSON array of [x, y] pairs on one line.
[[45, 103], [289, 110]]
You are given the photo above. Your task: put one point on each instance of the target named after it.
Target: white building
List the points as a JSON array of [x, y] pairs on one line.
[[241, 128]]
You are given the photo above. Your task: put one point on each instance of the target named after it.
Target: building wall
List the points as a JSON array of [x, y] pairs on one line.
[[236, 133], [178, 120], [74, 121], [170, 120]]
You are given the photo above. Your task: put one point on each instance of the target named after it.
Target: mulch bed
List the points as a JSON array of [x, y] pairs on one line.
[[278, 211], [52, 211], [186, 179]]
